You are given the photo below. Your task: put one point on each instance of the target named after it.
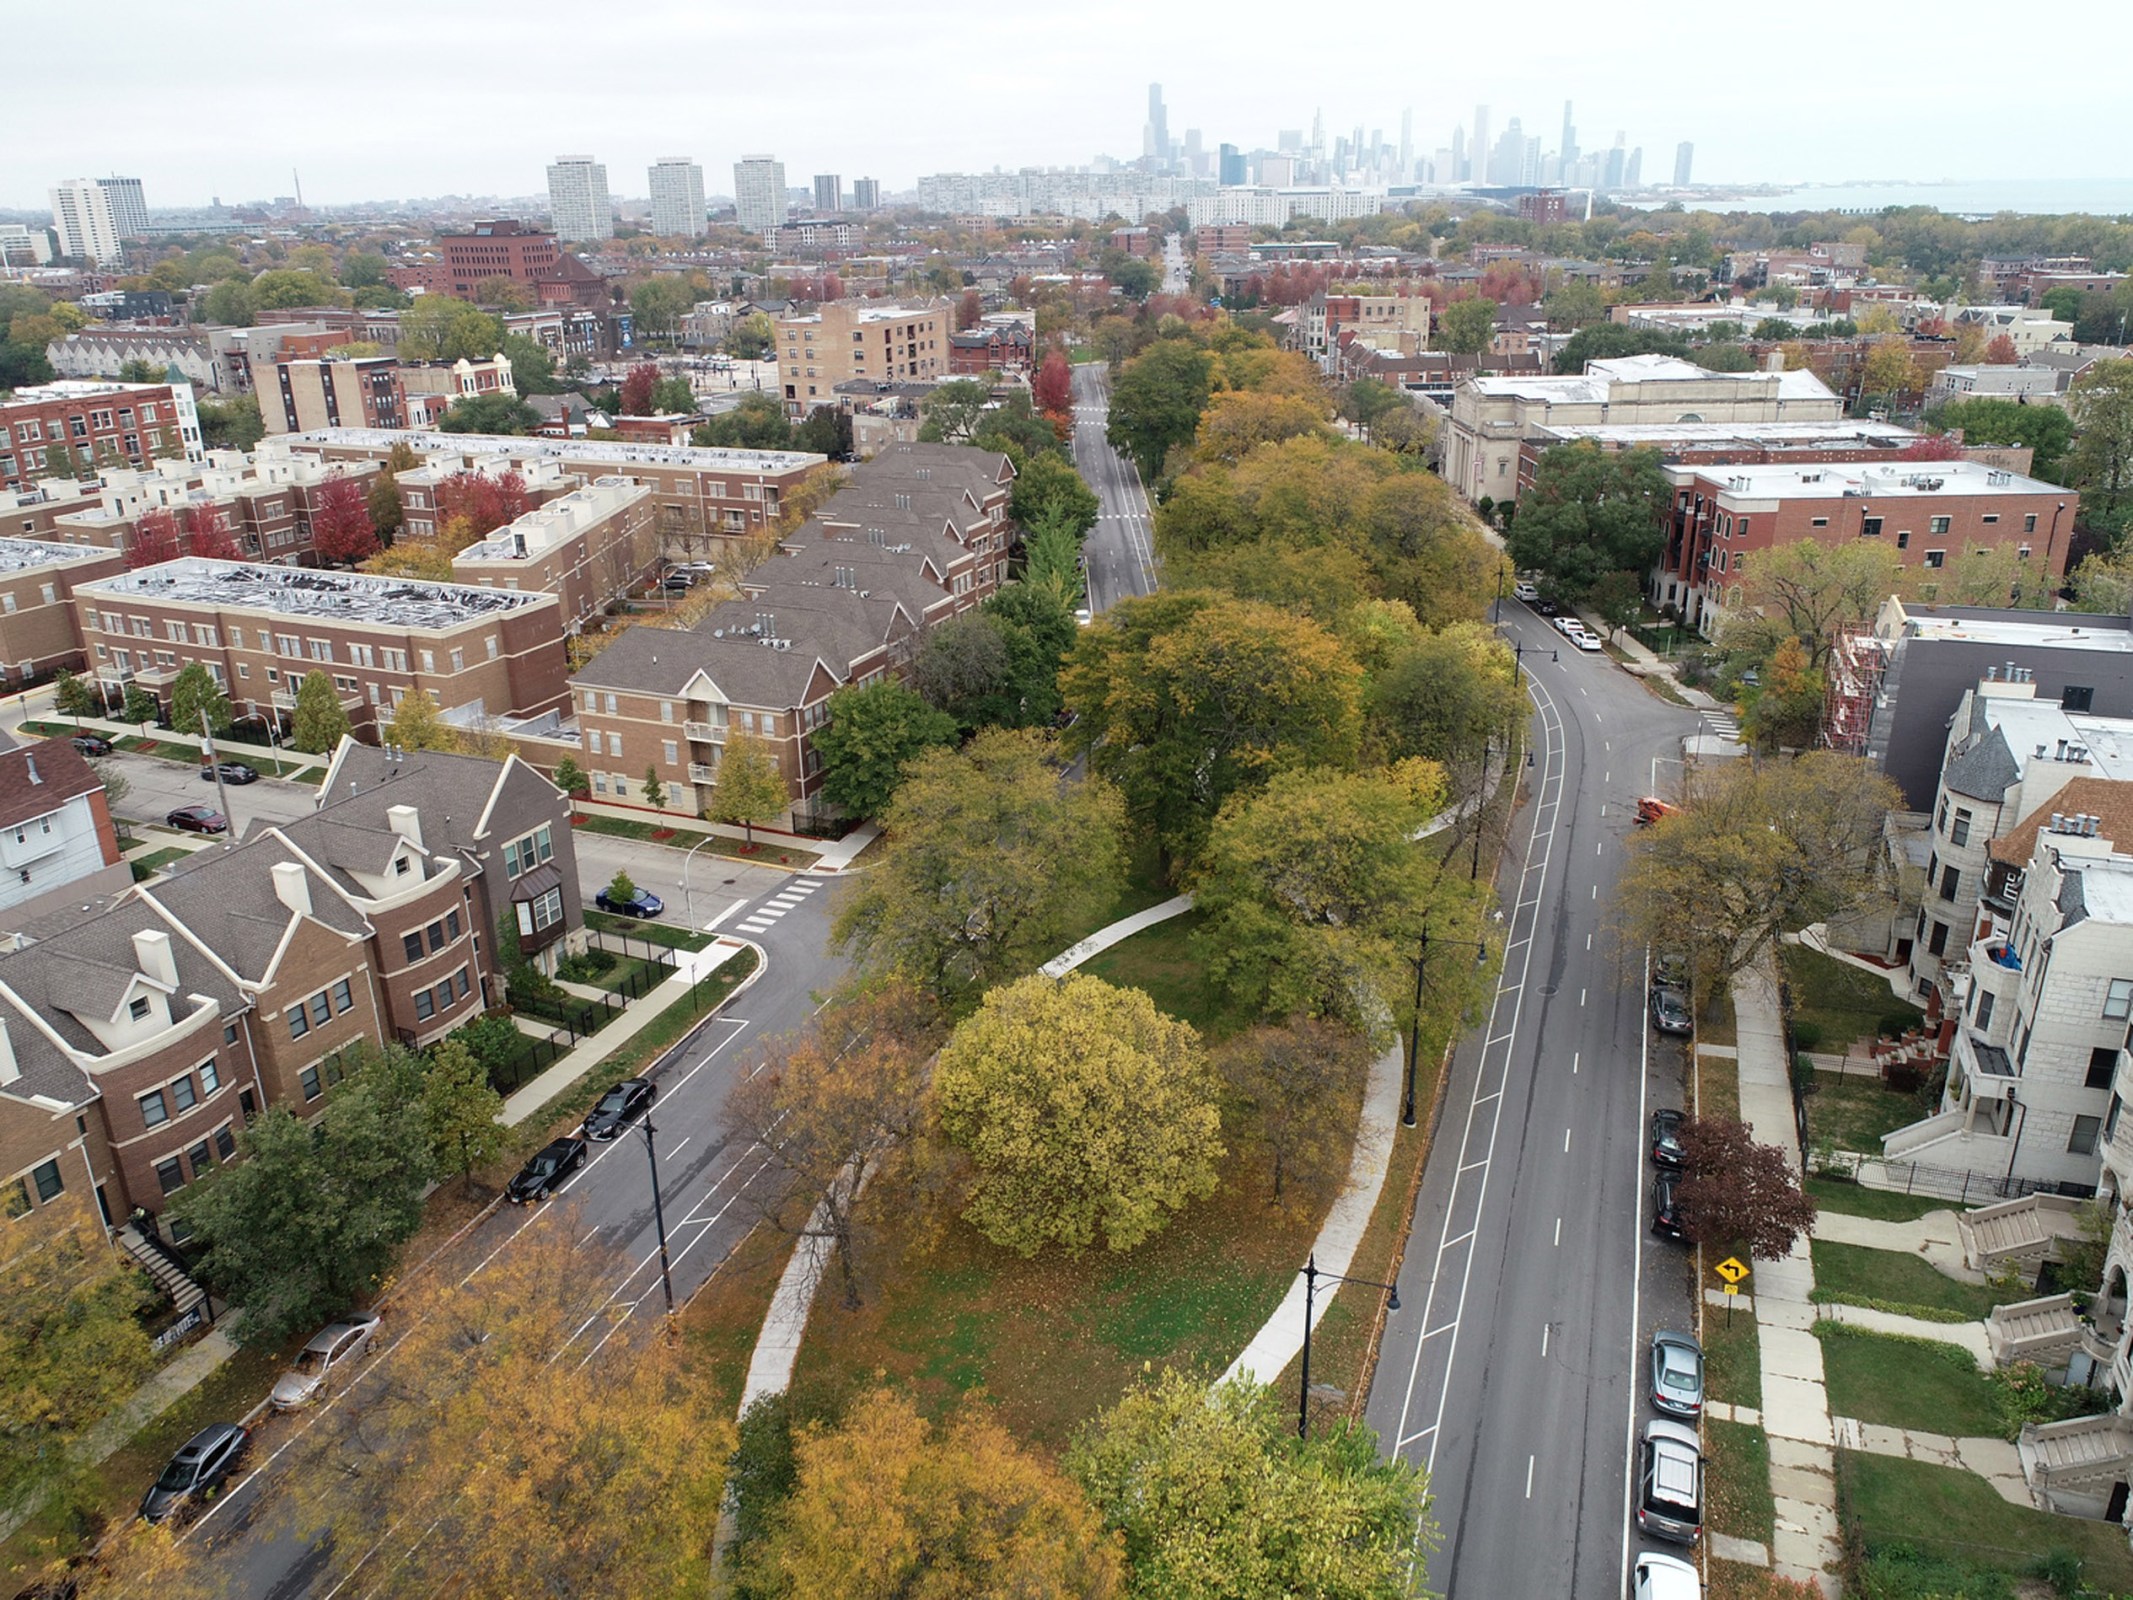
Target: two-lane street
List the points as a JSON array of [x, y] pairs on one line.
[[1118, 552], [1531, 1287]]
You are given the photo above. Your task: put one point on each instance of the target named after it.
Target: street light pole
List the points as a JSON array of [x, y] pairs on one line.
[[659, 1216], [688, 901], [1311, 1277], [1414, 1023]]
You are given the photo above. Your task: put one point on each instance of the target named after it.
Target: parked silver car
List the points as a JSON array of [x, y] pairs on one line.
[[335, 1348], [1670, 1482], [1677, 1374]]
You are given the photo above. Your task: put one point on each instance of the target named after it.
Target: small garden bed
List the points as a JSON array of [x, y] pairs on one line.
[[1907, 1383], [1887, 1280]]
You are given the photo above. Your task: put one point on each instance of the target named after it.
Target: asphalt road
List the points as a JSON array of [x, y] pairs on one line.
[[1118, 552], [156, 787], [1531, 1285], [704, 1184], [1177, 276]]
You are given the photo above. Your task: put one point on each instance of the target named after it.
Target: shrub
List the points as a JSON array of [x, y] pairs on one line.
[[1807, 1035], [2025, 1395]]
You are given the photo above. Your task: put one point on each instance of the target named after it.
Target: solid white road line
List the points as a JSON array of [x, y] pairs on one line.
[[723, 915]]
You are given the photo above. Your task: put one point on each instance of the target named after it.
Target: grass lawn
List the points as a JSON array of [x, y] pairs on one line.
[[1906, 1383], [1737, 1480], [1729, 1580], [188, 754], [720, 1323], [1717, 1087], [766, 851], [615, 979], [1732, 1358], [1716, 1024], [674, 938], [1852, 1274], [1842, 1002], [1885, 1205], [1853, 1113], [1161, 961], [1949, 1512], [155, 861]]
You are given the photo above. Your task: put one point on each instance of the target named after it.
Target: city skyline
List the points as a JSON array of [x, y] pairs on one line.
[[1236, 84]]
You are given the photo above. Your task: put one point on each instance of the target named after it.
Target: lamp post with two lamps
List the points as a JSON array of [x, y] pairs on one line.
[[1311, 1281], [1414, 1024]]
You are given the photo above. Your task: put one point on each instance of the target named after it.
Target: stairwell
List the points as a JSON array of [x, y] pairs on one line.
[[1943, 1139], [2045, 1331], [2018, 1233], [2072, 1466], [163, 1265]]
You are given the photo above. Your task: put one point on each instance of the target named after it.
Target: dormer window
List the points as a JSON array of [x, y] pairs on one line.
[[400, 866], [139, 1009]]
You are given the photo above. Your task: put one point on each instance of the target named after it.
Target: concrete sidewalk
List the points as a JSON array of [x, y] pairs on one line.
[[1994, 1460], [1932, 1238], [1125, 928]]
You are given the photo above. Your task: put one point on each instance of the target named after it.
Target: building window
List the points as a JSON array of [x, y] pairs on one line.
[[170, 1175], [2029, 523], [521, 856], [1869, 527], [138, 1010], [411, 946], [299, 1024], [1981, 1017], [1950, 881], [2082, 1142], [225, 1143], [1934, 558], [309, 1079], [425, 1005], [154, 1113], [1937, 524], [2103, 1062], [1819, 522], [45, 1176], [343, 996], [210, 1076], [464, 984], [2118, 1000], [183, 1097], [200, 1158], [671, 750], [321, 1009], [229, 1033], [1939, 942], [1960, 833]]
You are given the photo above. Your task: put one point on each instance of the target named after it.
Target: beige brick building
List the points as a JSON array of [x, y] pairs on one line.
[[588, 548], [843, 340], [38, 630]]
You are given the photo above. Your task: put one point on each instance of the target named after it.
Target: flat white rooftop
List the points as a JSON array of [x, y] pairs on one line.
[[1880, 480], [615, 452], [2028, 724], [19, 555], [314, 592], [1779, 434]]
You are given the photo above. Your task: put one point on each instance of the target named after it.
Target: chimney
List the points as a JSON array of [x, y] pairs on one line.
[[2058, 822], [31, 763], [151, 950], [292, 887], [1774, 361], [9, 1072], [406, 822]]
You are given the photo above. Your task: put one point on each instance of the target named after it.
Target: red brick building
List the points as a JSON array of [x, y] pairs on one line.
[[100, 424], [1011, 348]]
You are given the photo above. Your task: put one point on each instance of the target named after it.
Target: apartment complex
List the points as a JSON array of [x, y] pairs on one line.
[[677, 198], [578, 200], [759, 203], [846, 340], [260, 629], [920, 535], [588, 548], [138, 1036], [95, 425], [1929, 514], [701, 496], [298, 394], [38, 634], [83, 222]]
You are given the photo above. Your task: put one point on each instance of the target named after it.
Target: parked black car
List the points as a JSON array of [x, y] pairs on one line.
[[1666, 1138], [643, 903], [232, 772], [198, 819], [1667, 1220], [544, 1174], [91, 745], [620, 1106], [197, 1472]]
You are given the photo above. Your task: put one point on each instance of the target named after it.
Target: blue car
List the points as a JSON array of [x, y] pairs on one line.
[[643, 903]]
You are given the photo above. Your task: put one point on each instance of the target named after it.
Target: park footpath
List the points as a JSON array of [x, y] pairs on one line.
[[1795, 1416]]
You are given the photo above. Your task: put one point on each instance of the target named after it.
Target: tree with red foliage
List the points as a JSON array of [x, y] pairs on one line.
[[637, 386], [341, 528], [1736, 1194], [485, 503], [155, 539], [968, 310], [207, 534], [2001, 352], [1053, 387], [1934, 447]]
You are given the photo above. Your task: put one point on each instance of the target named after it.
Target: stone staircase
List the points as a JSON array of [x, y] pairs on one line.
[[2071, 1466], [2045, 1331], [2019, 1233], [163, 1265], [1945, 1134]]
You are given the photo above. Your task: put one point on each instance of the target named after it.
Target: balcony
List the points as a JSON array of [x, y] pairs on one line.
[[705, 732], [699, 773]]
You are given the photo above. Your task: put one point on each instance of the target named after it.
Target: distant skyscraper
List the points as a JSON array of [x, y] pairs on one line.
[[677, 198], [577, 199], [759, 192], [1614, 165], [1232, 166], [1570, 143], [1407, 145], [129, 212], [866, 194], [1457, 169], [829, 194], [1633, 174], [1478, 146], [81, 217], [1290, 141], [1684, 154], [1155, 137]]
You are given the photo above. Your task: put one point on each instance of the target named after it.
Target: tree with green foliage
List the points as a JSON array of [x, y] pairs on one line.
[[198, 703], [752, 338], [1590, 512], [1786, 707], [75, 696], [995, 856], [873, 734], [964, 669], [953, 411], [417, 723], [438, 327], [658, 304], [1047, 488], [1088, 1116], [365, 269], [1447, 696], [310, 1221], [490, 413], [1805, 591], [2047, 430], [1052, 554], [284, 288], [72, 1345], [1186, 699], [655, 792], [1132, 276], [1466, 327], [1214, 1494], [229, 305], [139, 705], [1610, 341], [570, 777], [1295, 1077], [532, 367], [1017, 428], [751, 786], [1156, 402], [1576, 305], [232, 424], [462, 1111], [673, 397], [826, 431], [757, 423], [320, 721], [2101, 459]]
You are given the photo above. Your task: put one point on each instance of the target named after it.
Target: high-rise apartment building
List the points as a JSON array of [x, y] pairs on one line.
[[759, 193], [677, 198], [829, 194], [1231, 170], [81, 216], [866, 194], [1478, 146], [577, 199], [1684, 155], [129, 211]]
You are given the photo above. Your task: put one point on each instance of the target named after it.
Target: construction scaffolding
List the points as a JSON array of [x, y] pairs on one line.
[[1858, 660]]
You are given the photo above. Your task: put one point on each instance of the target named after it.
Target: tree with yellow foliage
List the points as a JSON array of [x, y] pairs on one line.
[[417, 723]]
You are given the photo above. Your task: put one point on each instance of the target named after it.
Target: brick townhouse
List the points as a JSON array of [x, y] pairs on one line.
[[1930, 514], [919, 535], [260, 629], [138, 1034], [267, 499], [38, 630], [100, 423], [588, 548]]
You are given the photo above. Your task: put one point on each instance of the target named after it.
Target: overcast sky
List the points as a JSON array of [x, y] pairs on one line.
[[393, 98]]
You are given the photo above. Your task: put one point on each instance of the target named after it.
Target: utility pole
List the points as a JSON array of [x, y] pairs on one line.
[[222, 795], [659, 1215]]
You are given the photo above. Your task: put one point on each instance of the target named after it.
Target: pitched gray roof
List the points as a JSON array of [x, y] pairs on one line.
[[663, 660], [841, 625], [1985, 769], [449, 792], [226, 900], [85, 968]]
